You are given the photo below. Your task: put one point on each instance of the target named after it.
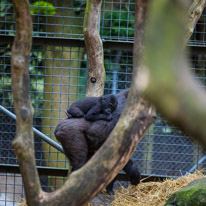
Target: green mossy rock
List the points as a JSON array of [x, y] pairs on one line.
[[194, 194]]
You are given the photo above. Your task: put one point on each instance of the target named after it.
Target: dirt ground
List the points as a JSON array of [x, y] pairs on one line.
[[103, 199]]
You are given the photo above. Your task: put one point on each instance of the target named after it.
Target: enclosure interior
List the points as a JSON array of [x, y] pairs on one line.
[[58, 72]]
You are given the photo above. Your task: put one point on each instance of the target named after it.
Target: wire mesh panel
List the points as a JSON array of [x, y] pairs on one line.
[[11, 187], [167, 151], [64, 19], [55, 83], [117, 20], [6, 18], [199, 37], [118, 66], [58, 77], [54, 19]]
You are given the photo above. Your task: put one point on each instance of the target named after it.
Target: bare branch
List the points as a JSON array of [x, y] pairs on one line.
[[168, 82], [140, 22], [194, 14], [85, 183], [93, 42], [23, 142]]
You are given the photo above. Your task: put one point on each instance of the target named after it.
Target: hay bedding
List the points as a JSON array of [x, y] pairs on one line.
[[152, 193], [149, 193]]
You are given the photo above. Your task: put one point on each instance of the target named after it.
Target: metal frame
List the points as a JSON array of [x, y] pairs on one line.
[[116, 45]]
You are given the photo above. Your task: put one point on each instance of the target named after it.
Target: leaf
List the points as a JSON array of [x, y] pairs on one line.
[[42, 7]]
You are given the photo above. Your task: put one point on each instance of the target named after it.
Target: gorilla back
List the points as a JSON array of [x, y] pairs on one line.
[[93, 108], [81, 138], [78, 136]]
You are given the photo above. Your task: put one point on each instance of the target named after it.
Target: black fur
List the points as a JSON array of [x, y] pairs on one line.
[[80, 139], [93, 108]]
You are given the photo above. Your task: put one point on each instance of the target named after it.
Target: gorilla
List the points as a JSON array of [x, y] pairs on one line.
[[81, 138], [93, 108]]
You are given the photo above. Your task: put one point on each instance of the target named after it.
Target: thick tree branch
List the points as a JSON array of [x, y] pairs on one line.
[[93, 42], [168, 82], [140, 22], [171, 88], [194, 13], [86, 182], [23, 142]]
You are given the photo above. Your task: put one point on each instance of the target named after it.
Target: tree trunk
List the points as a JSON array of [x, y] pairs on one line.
[[24, 142], [93, 42], [136, 118], [61, 79], [194, 13], [178, 96]]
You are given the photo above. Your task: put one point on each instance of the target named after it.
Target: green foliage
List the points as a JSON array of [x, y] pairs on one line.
[[42, 7], [36, 80], [194, 194], [118, 23], [82, 81], [6, 17], [79, 6], [4, 8], [36, 73]]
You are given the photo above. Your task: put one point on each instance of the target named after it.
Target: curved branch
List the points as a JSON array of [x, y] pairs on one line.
[[86, 182], [168, 83], [194, 13], [93, 42], [23, 142]]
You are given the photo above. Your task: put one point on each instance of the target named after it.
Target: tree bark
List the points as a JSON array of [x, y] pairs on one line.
[[86, 182], [137, 116], [194, 13], [140, 23], [24, 142], [165, 72], [93, 42]]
